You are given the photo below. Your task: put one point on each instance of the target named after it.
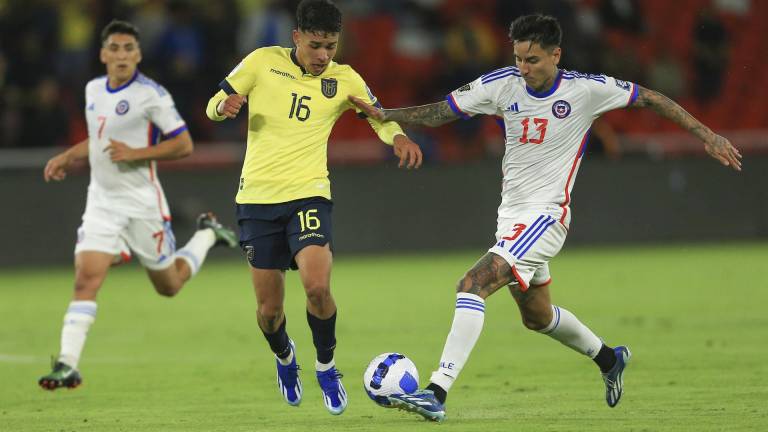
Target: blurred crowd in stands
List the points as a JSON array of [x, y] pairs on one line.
[[710, 55]]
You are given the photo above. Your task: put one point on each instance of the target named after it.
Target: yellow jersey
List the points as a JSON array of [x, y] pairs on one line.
[[290, 117]]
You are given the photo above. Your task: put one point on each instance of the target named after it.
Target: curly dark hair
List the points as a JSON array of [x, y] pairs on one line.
[[318, 16], [117, 26], [541, 29]]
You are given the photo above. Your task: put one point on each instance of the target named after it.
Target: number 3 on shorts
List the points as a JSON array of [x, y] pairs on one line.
[[308, 221]]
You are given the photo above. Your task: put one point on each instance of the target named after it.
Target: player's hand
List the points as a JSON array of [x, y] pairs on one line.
[[56, 168], [369, 110], [721, 149], [120, 151], [408, 152], [230, 106]]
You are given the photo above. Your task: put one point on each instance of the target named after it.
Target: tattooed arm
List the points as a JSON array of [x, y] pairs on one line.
[[716, 146], [431, 115]]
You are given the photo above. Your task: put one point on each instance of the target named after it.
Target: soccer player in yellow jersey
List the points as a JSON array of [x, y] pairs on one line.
[[294, 97]]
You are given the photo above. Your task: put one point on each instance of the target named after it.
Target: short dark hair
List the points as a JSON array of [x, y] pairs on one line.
[[541, 29], [117, 26], [318, 16]]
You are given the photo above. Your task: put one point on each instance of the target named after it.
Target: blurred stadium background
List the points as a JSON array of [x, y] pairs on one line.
[[644, 179]]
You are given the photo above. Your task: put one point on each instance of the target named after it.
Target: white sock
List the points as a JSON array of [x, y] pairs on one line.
[[78, 319], [196, 249], [286, 361], [465, 330], [322, 367], [568, 330]]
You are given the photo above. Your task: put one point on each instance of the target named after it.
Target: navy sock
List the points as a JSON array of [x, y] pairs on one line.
[[278, 341], [440, 394], [605, 358], [323, 336]]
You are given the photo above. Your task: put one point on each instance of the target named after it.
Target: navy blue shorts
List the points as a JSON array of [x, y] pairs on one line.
[[272, 234]]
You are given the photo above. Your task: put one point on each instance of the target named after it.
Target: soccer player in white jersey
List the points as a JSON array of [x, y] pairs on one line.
[[132, 123], [547, 115]]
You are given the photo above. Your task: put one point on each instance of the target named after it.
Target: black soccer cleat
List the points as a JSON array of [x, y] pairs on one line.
[[62, 375]]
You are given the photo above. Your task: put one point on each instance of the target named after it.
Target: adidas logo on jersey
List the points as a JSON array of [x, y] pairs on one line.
[[513, 108]]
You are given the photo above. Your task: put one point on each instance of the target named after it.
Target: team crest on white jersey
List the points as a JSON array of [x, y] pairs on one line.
[[561, 109], [329, 86], [122, 107]]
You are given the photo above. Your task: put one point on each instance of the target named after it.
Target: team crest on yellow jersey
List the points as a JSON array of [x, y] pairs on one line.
[[329, 86]]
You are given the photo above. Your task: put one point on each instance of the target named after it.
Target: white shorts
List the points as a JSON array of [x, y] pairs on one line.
[[527, 242], [105, 230]]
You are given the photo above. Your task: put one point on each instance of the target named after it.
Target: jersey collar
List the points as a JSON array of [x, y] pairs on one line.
[[295, 61], [117, 89], [555, 86]]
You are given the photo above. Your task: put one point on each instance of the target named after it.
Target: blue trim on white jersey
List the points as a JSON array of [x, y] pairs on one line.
[[175, 132], [585, 142], [498, 77], [551, 90], [500, 71], [633, 98], [154, 135], [117, 89], [455, 108], [569, 75]]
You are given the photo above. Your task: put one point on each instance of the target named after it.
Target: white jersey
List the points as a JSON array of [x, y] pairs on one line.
[[546, 133], [137, 113]]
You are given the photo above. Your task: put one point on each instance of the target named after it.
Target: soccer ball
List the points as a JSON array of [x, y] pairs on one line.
[[388, 374]]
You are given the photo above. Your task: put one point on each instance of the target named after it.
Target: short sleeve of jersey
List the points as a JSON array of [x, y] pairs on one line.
[[610, 93], [471, 99], [360, 89], [243, 77], [163, 114]]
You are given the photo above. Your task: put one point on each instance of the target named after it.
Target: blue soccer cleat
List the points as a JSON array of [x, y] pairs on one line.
[[614, 378], [288, 381], [334, 395], [423, 402]]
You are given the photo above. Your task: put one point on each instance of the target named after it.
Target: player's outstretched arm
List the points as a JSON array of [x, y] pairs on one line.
[[431, 115], [57, 166], [177, 147], [716, 146]]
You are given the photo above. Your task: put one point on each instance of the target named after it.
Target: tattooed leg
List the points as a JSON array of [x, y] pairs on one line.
[[488, 274]]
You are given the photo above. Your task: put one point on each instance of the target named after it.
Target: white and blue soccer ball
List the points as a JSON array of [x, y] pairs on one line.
[[388, 374]]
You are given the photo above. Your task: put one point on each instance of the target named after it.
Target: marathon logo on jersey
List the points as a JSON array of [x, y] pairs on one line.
[[624, 85], [329, 87], [122, 107], [561, 109], [281, 73]]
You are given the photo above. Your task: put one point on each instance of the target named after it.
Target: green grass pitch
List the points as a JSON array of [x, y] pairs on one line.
[[694, 316]]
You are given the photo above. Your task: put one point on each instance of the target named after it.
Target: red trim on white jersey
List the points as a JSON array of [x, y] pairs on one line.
[[549, 281], [153, 176], [576, 160]]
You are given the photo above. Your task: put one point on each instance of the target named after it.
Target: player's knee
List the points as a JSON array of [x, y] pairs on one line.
[[535, 323], [168, 289], [317, 293], [87, 281], [270, 313], [464, 284]]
